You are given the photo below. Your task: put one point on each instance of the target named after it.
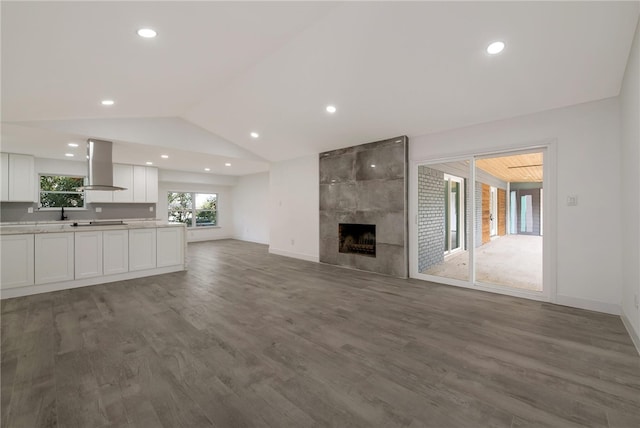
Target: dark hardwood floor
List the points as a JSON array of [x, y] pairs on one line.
[[248, 339]]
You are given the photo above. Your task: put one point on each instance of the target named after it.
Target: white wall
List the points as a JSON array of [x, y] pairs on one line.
[[294, 208], [588, 158], [251, 208], [225, 210], [630, 185]]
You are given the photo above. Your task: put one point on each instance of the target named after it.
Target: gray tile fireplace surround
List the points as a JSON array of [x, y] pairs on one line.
[[354, 191]]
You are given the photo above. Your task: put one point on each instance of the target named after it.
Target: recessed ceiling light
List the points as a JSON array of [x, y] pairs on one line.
[[227, 164], [72, 145], [69, 155], [107, 102], [149, 163], [147, 33], [331, 109], [207, 169], [164, 156], [373, 165], [495, 48], [255, 135]]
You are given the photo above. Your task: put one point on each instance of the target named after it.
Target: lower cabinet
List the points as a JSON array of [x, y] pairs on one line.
[[88, 249], [142, 249], [54, 257], [16, 252], [115, 254], [170, 246]]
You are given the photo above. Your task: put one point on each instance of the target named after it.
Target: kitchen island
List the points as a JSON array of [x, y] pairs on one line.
[[44, 257]]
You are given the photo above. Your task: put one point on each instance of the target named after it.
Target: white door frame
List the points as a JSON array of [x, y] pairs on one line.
[[549, 149]]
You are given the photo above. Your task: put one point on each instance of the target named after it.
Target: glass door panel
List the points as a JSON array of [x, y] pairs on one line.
[[443, 210]]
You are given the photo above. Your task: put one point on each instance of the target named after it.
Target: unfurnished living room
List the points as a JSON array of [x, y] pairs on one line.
[[320, 214]]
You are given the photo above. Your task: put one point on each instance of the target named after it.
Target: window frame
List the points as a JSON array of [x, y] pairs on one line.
[[83, 193], [194, 210]]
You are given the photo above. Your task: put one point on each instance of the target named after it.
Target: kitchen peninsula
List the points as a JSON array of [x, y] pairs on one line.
[[43, 257]]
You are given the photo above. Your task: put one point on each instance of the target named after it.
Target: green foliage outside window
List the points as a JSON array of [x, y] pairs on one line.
[[57, 191], [193, 209]]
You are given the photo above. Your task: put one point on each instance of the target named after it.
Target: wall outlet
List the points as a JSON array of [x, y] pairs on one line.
[[30, 210], [98, 209], [151, 209], [635, 300], [572, 200]]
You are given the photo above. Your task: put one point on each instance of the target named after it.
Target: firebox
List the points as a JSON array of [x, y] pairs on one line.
[[357, 239]]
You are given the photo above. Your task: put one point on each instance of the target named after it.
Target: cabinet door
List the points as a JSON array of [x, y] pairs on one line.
[[142, 249], [123, 177], [139, 183], [170, 246], [152, 184], [88, 254], [21, 178], [97, 196], [16, 252], [54, 257], [115, 251], [4, 178]]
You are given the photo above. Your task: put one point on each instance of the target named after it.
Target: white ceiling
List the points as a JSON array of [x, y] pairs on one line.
[[219, 70]]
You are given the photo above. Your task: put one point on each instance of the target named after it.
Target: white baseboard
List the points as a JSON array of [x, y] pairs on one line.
[[592, 305], [632, 332], [256, 241], [209, 238], [301, 256], [10, 293]]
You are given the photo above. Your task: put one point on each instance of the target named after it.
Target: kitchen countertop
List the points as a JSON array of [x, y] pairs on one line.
[[67, 226]]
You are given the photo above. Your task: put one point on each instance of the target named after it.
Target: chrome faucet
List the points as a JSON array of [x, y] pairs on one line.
[[62, 216]]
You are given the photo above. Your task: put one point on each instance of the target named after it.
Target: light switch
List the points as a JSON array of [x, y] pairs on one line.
[[151, 209], [98, 209], [572, 200]]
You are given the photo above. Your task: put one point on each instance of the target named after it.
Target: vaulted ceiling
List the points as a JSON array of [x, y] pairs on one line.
[[218, 71]]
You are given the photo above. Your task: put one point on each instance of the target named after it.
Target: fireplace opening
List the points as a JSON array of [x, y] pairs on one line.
[[357, 239]]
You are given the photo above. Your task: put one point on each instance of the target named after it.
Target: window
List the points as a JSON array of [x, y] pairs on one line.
[[58, 191], [193, 209]]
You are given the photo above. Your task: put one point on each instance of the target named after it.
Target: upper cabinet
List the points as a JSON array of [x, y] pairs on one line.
[[123, 177], [18, 178], [151, 184], [141, 183]]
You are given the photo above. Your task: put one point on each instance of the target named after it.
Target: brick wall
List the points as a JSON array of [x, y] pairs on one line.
[[478, 215], [430, 218]]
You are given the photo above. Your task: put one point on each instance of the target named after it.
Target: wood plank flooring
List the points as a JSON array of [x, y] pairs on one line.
[[248, 339]]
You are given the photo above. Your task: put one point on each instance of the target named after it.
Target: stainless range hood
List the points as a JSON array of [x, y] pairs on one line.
[[100, 174]]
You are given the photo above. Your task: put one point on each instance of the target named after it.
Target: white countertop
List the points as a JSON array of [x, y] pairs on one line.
[[67, 226]]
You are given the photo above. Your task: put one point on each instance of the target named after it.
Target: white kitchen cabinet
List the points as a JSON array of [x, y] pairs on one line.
[[98, 196], [142, 249], [139, 183], [54, 257], [170, 246], [88, 254], [16, 266], [18, 178], [151, 183], [4, 178], [115, 251], [123, 177]]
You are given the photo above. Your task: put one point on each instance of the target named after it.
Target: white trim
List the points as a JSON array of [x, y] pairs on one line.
[[490, 288], [301, 256], [632, 333], [65, 285], [549, 148], [591, 305], [238, 238]]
